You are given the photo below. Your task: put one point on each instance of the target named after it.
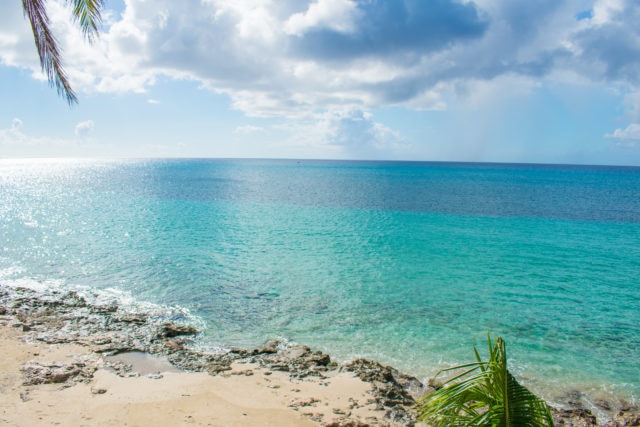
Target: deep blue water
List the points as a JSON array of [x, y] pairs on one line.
[[407, 263]]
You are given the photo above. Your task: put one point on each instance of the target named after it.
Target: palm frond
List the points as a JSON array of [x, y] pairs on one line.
[[47, 46], [88, 14], [485, 394], [526, 407]]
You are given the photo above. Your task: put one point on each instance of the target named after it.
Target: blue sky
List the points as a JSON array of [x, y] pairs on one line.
[[548, 81]]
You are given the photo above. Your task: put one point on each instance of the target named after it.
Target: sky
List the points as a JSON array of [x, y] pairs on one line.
[[545, 81]]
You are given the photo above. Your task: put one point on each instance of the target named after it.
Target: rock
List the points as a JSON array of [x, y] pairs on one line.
[[282, 367], [624, 419], [72, 299], [294, 352], [173, 330], [55, 372], [105, 309], [269, 347], [216, 368], [136, 318], [301, 403], [174, 344], [349, 423], [240, 352], [370, 371], [101, 340], [413, 386], [390, 388], [121, 368], [603, 404], [573, 417], [320, 359]]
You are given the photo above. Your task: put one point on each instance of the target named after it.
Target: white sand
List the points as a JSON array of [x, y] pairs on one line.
[[246, 396]]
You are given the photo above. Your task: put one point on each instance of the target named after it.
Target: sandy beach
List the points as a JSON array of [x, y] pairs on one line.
[[155, 393], [66, 361]]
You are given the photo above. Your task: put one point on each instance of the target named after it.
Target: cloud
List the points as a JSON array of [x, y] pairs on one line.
[[357, 132], [333, 15], [609, 44], [13, 135], [16, 124], [248, 129], [84, 130], [324, 62], [393, 29], [627, 136], [275, 58], [15, 142], [348, 133]]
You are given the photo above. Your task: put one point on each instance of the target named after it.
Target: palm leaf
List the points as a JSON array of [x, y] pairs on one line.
[[484, 394], [86, 13], [48, 51]]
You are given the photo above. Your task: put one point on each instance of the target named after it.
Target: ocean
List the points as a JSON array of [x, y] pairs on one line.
[[407, 263]]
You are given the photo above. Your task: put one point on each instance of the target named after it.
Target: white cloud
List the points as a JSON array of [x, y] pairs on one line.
[[337, 15], [13, 135], [323, 62], [248, 129], [241, 49], [630, 133], [360, 135], [629, 136], [84, 130], [16, 124], [17, 143], [278, 58], [345, 134], [632, 106], [604, 11], [255, 20], [16, 39]]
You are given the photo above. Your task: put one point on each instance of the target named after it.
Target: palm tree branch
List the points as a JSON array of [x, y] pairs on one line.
[[525, 405], [485, 394], [47, 46], [88, 14]]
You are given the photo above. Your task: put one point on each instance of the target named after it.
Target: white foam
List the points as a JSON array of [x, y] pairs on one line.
[[124, 300]]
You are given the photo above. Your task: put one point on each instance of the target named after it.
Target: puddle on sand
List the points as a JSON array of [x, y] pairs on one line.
[[143, 363]]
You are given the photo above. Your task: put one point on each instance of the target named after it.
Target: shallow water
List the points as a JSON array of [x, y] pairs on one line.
[[406, 263]]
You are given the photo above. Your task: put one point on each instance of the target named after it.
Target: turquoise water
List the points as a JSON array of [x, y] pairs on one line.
[[406, 263]]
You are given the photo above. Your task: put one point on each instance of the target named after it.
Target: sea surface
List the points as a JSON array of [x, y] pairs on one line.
[[407, 263]]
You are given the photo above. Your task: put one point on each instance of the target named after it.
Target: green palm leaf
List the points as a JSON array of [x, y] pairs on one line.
[[87, 13], [484, 394]]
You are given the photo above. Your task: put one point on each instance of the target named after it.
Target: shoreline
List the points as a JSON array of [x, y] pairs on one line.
[[113, 355]]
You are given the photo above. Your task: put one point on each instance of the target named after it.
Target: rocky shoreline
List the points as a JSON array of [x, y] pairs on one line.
[[107, 327]]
